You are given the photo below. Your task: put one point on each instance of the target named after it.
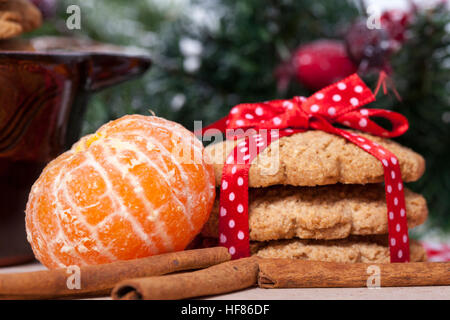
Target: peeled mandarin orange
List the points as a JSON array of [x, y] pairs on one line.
[[137, 187]]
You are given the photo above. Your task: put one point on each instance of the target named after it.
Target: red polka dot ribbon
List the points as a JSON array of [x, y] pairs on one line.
[[260, 124]]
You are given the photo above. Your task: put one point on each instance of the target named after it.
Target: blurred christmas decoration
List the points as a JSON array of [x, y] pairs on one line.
[[322, 62], [316, 65], [210, 55], [47, 7], [371, 49]]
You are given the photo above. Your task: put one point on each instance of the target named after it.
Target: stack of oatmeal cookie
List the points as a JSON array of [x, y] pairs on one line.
[[325, 201]]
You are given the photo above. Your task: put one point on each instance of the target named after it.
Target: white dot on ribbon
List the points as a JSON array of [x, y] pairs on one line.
[[367, 147], [396, 201], [337, 98], [234, 110], [259, 111], [402, 212], [233, 170], [246, 157], [230, 159], [405, 238], [224, 185], [223, 238], [223, 212], [314, 108], [276, 121], [381, 151], [393, 160], [400, 254], [240, 235], [232, 250], [240, 122], [400, 186], [257, 137], [385, 163], [354, 101], [261, 144], [240, 181], [358, 89], [389, 188], [393, 174], [242, 144], [244, 149], [288, 104], [231, 196], [364, 112], [393, 242], [331, 111], [341, 86], [249, 116], [231, 223], [397, 227], [240, 208], [362, 123], [391, 215], [319, 96]]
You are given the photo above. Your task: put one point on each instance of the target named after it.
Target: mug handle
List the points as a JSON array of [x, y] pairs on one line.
[[105, 69]]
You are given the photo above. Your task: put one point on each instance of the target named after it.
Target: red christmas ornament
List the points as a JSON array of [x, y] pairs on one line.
[[320, 63], [317, 65]]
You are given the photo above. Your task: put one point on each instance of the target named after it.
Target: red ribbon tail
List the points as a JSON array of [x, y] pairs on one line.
[[385, 81], [381, 82], [394, 89]]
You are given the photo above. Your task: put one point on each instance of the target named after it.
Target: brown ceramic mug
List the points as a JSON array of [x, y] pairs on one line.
[[43, 96]]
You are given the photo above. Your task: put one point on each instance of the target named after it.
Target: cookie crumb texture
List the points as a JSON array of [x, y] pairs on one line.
[[351, 250], [316, 158], [327, 212]]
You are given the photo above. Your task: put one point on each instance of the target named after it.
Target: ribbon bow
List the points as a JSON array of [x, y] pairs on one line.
[[338, 103]]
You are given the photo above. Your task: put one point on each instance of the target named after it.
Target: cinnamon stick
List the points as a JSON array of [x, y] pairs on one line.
[[287, 273], [222, 278], [98, 280]]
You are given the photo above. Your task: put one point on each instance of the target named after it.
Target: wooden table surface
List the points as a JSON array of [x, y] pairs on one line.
[[409, 293]]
